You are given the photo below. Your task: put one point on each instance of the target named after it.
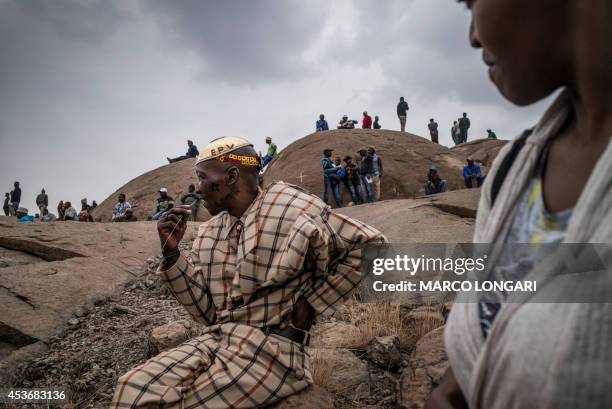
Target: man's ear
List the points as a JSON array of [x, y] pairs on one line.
[[233, 174]]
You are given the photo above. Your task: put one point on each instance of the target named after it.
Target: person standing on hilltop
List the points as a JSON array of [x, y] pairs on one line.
[[352, 180], [61, 210], [433, 130], [5, 207], [376, 124], [192, 152], [15, 198], [260, 271], [367, 121], [42, 200], [365, 169], [402, 112], [272, 154], [464, 125], [456, 133], [330, 171], [377, 173], [321, 124]]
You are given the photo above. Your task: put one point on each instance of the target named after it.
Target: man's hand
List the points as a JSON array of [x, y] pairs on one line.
[[171, 228], [303, 314]]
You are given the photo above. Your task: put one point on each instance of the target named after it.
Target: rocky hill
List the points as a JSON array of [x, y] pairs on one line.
[[406, 160], [142, 191], [482, 151]]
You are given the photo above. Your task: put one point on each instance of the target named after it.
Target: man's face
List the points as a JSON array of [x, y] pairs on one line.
[[121, 198], [362, 153], [189, 143], [525, 64], [163, 195], [213, 186], [370, 151], [470, 163]]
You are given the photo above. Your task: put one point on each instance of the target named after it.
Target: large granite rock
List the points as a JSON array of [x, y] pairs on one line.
[[427, 365], [340, 372]]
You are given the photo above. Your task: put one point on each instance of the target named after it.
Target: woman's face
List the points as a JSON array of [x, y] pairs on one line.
[[525, 43]]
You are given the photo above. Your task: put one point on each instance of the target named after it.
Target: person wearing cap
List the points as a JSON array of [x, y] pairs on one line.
[[120, 209], [15, 198], [402, 112], [260, 270], [365, 169], [377, 173], [491, 134], [352, 180], [471, 174], [330, 178], [164, 203], [23, 216], [272, 154], [433, 130], [42, 200], [434, 183], [192, 152], [367, 121], [321, 124], [70, 212]]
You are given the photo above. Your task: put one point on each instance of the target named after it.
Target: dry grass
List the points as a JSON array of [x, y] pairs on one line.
[[377, 320], [321, 369]]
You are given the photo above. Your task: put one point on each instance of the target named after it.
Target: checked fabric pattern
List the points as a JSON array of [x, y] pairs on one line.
[[243, 275]]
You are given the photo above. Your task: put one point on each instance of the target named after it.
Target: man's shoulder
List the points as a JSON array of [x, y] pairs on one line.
[[289, 195]]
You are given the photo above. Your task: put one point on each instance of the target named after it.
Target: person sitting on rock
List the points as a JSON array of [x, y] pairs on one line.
[[376, 124], [129, 215], [346, 123], [164, 203], [46, 216], [367, 121], [256, 294], [120, 209], [272, 154], [191, 199], [491, 134], [471, 174], [23, 216], [434, 183], [70, 212], [192, 152], [321, 124], [352, 180]]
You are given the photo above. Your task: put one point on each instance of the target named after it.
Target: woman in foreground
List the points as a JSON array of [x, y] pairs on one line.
[[557, 190]]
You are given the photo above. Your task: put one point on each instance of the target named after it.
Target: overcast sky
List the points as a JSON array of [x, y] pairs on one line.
[[95, 93]]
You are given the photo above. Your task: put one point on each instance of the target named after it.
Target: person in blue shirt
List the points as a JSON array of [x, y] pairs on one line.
[[22, 215], [322, 124], [192, 152], [330, 171], [471, 174]]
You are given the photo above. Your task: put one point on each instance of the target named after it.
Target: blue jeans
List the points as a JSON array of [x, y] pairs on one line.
[[335, 190], [265, 160], [368, 188], [430, 189], [156, 216], [354, 190]]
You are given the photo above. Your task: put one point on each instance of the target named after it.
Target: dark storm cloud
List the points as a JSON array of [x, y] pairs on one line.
[[244, 41]]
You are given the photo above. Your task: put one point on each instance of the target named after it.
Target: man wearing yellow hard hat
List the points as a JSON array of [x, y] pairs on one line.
[[260, 270]]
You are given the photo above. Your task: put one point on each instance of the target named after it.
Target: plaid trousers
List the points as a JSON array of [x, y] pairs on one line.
[[231, 366]]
